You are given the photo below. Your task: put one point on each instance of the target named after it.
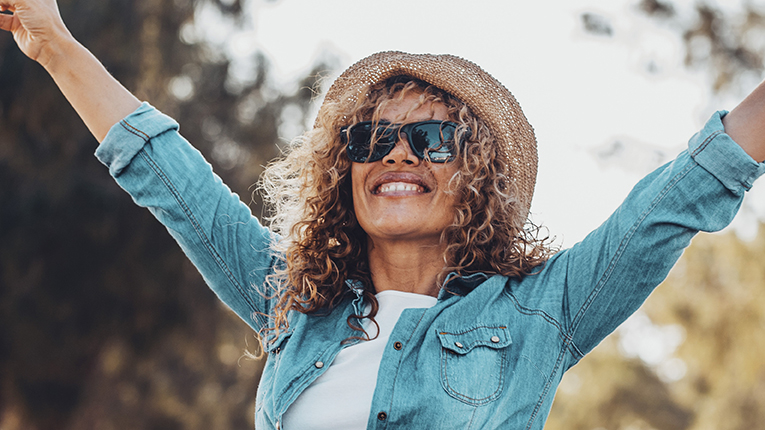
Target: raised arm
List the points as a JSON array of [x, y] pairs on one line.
[[746, 124], [158, 167], [99, 99]]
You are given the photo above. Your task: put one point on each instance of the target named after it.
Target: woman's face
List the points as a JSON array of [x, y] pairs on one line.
[[402, 197]]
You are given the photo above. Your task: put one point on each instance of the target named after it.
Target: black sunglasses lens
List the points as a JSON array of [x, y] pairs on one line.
[[435, 139], [360, 138]]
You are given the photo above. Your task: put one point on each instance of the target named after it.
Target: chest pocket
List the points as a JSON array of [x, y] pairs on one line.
[[473, 363]]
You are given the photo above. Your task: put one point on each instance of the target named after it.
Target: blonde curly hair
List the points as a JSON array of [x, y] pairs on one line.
[[322, 243]]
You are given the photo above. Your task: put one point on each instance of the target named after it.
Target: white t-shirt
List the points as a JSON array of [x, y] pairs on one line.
[[341, 398]]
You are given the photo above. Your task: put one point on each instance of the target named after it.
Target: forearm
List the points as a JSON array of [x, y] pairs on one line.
[[746, 124], [99, 99]]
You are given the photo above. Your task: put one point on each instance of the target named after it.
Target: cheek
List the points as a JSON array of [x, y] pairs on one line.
[[451, 187], [358, 175], [447, 180], [357, 183]]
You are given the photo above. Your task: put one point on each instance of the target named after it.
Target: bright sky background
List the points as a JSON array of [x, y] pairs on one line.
[[580, 91]]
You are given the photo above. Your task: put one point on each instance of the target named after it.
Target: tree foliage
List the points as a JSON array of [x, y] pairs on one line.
[[728, 44], [105, 324]]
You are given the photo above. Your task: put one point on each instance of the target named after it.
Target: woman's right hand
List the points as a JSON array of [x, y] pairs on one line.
[[41, 35], [36, 25]]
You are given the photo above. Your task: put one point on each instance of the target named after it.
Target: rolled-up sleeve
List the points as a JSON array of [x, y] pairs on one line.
[[718, 154], [162, 172]]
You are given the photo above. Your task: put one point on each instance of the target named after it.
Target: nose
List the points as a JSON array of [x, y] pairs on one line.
[[401, 153]]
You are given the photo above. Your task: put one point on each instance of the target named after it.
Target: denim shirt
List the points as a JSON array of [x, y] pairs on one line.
[[492, 351]]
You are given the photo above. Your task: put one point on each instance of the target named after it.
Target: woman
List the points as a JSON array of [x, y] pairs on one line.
[[402, 286]]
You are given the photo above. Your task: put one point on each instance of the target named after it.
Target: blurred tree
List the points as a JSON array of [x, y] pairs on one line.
[[713, 377], [729, 44], [104, 322]]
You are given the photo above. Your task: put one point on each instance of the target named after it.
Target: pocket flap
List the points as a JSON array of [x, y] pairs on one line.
[[463, 341]]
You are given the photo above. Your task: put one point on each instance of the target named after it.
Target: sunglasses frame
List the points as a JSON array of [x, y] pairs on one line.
[[386, 135]]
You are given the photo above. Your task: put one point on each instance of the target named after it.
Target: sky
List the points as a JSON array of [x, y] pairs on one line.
[[606, 109]]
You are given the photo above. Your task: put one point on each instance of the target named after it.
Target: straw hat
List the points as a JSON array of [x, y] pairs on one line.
[[485, 96]]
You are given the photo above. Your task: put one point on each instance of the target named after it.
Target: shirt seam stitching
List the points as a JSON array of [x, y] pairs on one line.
[[747, 182], [130, 128], [198, 229], [549, 383], [538, 312], [299, 387], [626, 239], [469, 346], [398, 369], [566, 337], [472, 401], [705, 143]]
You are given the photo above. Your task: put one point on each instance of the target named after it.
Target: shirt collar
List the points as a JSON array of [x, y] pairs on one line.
[[453, 285], [358, 289], [461, 285]]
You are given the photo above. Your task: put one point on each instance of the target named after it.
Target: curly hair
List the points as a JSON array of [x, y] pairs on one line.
[[322, 243]]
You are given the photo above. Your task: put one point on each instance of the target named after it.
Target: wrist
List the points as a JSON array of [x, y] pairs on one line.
[[58, 50]]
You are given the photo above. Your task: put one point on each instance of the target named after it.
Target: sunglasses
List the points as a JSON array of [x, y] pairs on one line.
[[430, 140]]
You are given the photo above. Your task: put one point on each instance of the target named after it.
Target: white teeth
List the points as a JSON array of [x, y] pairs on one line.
[[398, 186]]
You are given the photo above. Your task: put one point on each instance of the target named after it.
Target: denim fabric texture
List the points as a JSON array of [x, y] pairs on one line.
[[491, 352]]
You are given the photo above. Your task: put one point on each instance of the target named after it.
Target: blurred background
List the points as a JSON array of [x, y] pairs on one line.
[[104, 324]]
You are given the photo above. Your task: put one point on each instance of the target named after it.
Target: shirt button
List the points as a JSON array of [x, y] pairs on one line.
[[458, 345], [319, 364], [398, 346], [495, 339], [278, 425], [382, 416]]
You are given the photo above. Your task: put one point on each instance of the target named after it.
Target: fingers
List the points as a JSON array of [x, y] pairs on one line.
[[6, 22], [6, 18]]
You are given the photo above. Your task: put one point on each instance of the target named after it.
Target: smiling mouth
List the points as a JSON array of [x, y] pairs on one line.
[[400, 187]]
